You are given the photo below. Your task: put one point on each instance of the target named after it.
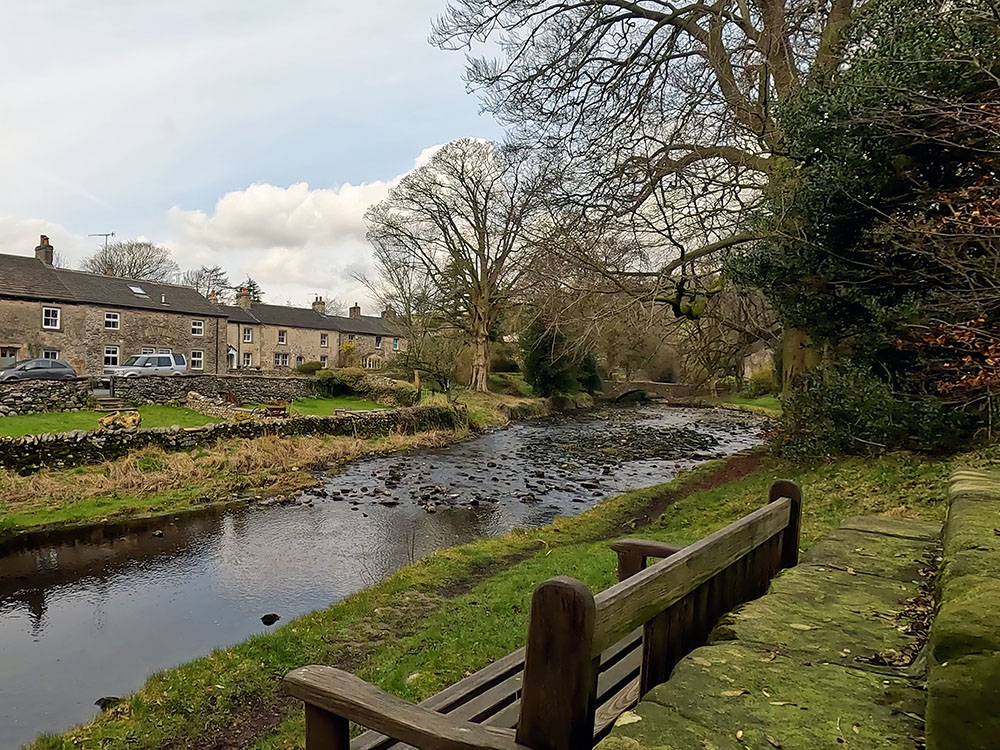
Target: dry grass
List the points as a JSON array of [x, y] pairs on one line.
[[268, 464]]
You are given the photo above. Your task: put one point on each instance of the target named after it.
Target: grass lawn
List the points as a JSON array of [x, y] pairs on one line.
[[457, 610], [769, 405], [152, 416], [324, 407]]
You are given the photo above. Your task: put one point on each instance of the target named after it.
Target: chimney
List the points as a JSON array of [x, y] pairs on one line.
[[389, 314], [319, 305], [44, 251], [213, 296], [356, 311], [243, 298]]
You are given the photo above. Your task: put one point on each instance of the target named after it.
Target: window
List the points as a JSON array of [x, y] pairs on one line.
[[197, 327], [163, 351], [50, 354], [247, 335], [51, 317], [322, 360], [112, 321], [197, 360], [111, 356], [138, 291], [281, 359], [282, 337], [147, 350], [163, 362], [378, 342], [350, 337], [395, 345], [247, 359], [324, 339], [178, 359]]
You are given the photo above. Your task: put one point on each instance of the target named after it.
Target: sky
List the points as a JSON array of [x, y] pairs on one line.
[[251, 134]]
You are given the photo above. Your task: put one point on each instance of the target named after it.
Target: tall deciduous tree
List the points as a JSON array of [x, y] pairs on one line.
[[458, 225], [664, 110], [207, 279], [132, 259]]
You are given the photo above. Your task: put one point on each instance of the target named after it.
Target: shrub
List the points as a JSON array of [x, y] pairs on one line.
[[308, 368], [509, 384], [552, 367], [840, 408], [761, 383], [504, 363], [666, 376], [355, 382]]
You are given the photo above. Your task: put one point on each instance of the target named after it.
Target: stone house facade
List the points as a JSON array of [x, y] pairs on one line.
[[280, 337], [96, 322]]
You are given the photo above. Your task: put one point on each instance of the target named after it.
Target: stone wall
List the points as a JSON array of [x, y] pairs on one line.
[[33, 396], [963, 682], [30, 453], [165, 389]]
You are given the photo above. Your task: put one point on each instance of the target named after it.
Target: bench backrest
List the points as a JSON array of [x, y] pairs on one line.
[[677, 602]]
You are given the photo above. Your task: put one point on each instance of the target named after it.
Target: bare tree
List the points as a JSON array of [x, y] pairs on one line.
[[663, 111], [207, 279], [333, 305], [455, 229], [132, 259]]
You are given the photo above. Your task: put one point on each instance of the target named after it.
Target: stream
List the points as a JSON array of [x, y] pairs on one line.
[[93, 613]]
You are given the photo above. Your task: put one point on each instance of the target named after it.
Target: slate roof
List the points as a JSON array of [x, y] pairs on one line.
[[24, 277], [306, 317]]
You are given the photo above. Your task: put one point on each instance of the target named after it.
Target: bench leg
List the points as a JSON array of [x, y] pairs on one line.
[[324, 731]]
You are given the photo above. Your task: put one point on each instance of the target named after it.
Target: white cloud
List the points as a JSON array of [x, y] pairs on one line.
[[20, 236], [296, 241]]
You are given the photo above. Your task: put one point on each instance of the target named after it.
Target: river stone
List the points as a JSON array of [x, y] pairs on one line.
[[735, 695], [820, 612], [870, 554]]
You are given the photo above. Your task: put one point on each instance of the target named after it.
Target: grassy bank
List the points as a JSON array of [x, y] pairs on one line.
[[768, 406], [453, 612], [152, 416]]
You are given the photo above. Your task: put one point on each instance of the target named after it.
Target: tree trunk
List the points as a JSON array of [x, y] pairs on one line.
[[480, 361], [798, 355]]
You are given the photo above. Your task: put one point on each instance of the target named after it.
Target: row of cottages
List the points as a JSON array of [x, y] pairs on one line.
[[96, 322], [278, 336]]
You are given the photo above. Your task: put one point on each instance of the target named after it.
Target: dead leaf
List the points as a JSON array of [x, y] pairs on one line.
[[739, 734], [799, 626], [773, 742], [856, 728], [783, 703], [850, 571], [735, 693]]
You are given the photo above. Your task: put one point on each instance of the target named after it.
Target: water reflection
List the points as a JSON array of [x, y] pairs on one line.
[[81, 618]]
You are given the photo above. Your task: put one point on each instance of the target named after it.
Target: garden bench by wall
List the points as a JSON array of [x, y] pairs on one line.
[[587, 658]]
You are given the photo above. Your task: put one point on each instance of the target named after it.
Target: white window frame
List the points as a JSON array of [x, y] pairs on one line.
[[247, 359], [323, 360], [280, 359], [112, 351], [50, 354], [378, 342], [395, 345], [248, 335], [197, 363], [282, 337], [350, 337], [324, 339], [58, 315], [112, 317], [197, 327], [147, 350]]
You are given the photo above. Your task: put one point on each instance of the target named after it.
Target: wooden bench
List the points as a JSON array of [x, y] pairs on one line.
[[588, 658], [276, 409]]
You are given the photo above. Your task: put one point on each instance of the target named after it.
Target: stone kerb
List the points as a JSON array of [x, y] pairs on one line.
[[35, 396]]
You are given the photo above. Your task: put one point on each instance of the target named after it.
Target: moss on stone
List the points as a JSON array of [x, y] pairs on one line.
[[735, 695], [870, 554], [822, 613], [967, 621], [962, 699]]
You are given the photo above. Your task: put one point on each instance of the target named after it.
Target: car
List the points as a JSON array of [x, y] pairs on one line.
[[150, 364], [39, 369]]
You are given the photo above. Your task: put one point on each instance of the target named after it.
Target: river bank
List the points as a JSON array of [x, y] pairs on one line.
[[454, 611], [151, 482]]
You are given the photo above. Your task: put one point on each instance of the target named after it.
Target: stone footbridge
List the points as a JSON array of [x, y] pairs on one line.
[[614, 390]]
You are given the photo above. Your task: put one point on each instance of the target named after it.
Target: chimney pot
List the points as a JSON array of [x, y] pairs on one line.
[[319, 305], [355, 311], [243, 298]]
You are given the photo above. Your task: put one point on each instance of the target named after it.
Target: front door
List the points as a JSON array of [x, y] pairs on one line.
[[8, 356]]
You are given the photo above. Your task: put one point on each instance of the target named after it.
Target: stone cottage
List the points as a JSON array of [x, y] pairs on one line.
[[96, 322], [278, 337]]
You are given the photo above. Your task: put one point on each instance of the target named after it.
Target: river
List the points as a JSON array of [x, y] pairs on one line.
[[94, 613]]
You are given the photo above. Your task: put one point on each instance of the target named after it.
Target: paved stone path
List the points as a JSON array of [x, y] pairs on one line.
[[824, 660]]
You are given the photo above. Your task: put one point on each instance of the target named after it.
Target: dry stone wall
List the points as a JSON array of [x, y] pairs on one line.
[[165, 389], [29, 453], [33, 396]]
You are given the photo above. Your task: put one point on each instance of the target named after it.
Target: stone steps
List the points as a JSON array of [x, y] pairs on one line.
[[110, 404]]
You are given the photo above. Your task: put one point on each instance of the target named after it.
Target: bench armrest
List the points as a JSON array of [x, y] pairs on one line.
[[342, 694], [632, 554]]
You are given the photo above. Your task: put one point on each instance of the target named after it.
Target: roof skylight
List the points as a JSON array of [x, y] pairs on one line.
[[137, 290]]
